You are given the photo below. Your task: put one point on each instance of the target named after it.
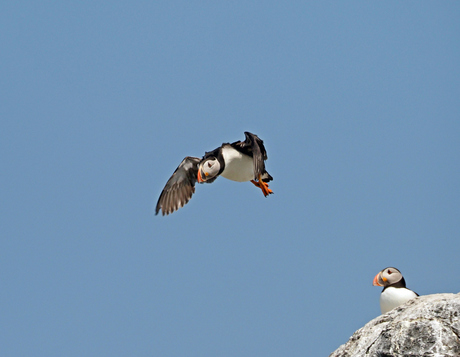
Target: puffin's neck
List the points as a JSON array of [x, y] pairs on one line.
[[399, 284]]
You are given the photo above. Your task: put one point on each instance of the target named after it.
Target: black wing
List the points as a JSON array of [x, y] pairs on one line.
[[180, 187], [254, 146]]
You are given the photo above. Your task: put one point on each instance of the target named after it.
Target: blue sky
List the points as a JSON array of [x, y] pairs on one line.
[[357, 103]]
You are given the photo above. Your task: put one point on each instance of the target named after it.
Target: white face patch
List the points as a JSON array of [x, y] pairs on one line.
[[392, 275], [210, 168]]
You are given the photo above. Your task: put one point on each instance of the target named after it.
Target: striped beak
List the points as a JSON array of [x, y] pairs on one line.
[[376, 280], [200, 178]]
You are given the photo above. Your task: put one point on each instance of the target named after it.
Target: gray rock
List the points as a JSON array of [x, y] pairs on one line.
[[425, 326]]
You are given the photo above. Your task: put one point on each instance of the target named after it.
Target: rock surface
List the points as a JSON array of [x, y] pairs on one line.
[[426, 326]]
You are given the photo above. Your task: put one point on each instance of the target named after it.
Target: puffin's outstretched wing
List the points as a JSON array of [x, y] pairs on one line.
[[180, 187], [254, 146]]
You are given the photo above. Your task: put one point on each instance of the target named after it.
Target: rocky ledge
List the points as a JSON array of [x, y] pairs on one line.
[[426, 326]]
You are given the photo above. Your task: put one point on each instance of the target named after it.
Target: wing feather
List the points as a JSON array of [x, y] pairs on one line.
[[180, 186], [259, 155]]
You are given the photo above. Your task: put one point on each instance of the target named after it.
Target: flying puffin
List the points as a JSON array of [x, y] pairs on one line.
[[394, 291], [240, 161]]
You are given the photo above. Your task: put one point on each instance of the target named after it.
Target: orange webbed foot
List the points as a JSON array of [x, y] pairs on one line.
[[263, 186]]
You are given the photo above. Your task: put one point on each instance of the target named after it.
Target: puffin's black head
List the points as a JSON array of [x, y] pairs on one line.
[[208, 169]]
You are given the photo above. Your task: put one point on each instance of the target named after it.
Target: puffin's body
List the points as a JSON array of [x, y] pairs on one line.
[[238, 166], [394, 291], [240, 161]]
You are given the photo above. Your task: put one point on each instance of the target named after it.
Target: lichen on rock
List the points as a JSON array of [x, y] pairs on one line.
[[426, 326]]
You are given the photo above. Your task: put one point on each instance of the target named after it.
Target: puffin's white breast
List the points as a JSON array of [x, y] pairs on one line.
[[393, 297], [238, 167]]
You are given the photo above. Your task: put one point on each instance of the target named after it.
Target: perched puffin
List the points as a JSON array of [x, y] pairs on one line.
[[240, 161], [394, 291]]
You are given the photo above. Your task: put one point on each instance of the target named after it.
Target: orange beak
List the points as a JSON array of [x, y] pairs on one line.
[[199, 178], [376, 280]]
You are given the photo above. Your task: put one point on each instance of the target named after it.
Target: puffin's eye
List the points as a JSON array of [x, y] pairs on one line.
[[389, 271], [209, 164]]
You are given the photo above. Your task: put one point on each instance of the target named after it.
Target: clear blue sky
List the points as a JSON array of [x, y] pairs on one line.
[[357, 103]]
